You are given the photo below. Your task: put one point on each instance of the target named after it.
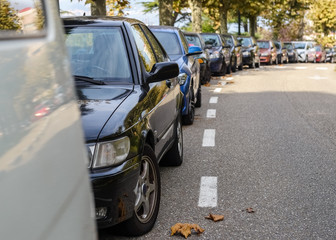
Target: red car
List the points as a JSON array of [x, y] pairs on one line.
[[268, 52], [320, 54]]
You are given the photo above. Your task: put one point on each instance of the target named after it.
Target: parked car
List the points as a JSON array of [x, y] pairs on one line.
[[292, 52], [305, 51], [282, 52], [331, 54], [130, 102], [175, 44], [195, 39], [320, 54], [251, 52], [268, 52], [45, 187], [219, 53], [235, 51]]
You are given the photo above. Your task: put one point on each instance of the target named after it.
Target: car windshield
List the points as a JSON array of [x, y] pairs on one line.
[[193, 41], [289, 46], [318, 48], [228, 40], [170, 43], [211, 39], [245, 42], [277, 45], [263, 44], [299, 45], [98, 53]]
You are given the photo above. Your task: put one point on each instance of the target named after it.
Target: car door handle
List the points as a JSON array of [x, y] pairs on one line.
[[168, 82]]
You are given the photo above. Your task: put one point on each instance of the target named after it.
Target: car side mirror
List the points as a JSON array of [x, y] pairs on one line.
[[194, 50], [163, 71]]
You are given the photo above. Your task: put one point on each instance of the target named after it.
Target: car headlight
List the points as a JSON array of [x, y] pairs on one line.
[[246, 54], [182, 77], [110, 153], [215, 55]]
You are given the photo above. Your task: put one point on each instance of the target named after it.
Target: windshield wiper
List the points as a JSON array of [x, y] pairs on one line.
[[89, 79]]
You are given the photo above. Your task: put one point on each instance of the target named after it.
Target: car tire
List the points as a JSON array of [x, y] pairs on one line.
[[241, 66], [332, 60], [234, 67], [198, 103], [228, 69], [258, 64], [149, 181], [252, 65], [174, 156], [306, 60], [189, 118]]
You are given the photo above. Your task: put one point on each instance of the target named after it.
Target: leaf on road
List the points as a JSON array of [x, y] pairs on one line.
[[215, 218], [185, 229], [207, 84], [249, 210]]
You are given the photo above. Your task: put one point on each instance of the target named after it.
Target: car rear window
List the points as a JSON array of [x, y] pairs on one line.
[[300, 45], [170, 43], [264, 44], [21, 18], [99, 53], [193, 40]]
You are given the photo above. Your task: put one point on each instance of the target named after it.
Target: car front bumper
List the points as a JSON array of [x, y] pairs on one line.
[[247, 59], [114, 191], [216, 65], [265, 59]]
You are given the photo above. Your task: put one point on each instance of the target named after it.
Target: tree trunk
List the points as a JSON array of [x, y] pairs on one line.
[[239, 22], [196, 15], [253, 26], [166, 12], [98, 8], [223, 19]]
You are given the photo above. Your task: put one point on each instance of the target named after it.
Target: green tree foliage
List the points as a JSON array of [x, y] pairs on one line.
[[323, 14], [9, 19]]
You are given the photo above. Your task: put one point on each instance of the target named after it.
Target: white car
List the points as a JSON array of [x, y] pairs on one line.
[[306, 51], [45, 188]]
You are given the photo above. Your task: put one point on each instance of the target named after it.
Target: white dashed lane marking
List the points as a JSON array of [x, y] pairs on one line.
[[217, 90], [316, 77], [213, 100], [208, 192], [209, 138], [211, 113], [321, 68], [301, 68]]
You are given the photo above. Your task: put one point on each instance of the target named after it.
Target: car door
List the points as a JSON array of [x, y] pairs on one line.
[[162, 94]]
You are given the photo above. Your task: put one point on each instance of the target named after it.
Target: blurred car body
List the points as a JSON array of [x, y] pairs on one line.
[[305, 51], [219, 53], [320, 54], [331, 55], [282, 52], [251, 52], [45, 188], [195, 39], [235, 50], [131, 116], [268, 52], [292, 52], [176, 46]]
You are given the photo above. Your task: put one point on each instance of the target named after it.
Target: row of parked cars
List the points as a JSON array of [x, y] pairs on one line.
[[136, 86]]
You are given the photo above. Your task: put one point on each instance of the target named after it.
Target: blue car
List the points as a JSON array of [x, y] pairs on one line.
[[176, 45]]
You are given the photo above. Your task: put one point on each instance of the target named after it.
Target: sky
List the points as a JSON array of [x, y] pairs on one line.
[[77, 8]]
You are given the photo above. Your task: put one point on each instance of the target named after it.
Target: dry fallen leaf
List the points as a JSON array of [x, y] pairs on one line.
[[185, 229], [214, 217], [250, 210], [207, 84]]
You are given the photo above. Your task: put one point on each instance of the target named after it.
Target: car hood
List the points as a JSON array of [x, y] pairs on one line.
[[213, 49], [97, 105], [301, 51], [247, 49], [262, 50]]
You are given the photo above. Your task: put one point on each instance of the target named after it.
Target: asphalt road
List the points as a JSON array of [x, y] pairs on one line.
[[271, 147]]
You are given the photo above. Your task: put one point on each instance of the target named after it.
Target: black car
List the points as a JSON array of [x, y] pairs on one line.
[[293, 55], [236, 51], [195, 39], [130, 103], [331, 55], [282, 52], [219, 53], [251, 53]]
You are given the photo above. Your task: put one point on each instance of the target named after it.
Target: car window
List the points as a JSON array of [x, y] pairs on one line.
[[263, 44], [193, 40], [145, 51], [228, 40], [170, 43], [160, 54], [184, 41], [289, 46], [212, 40], [318, 48], [98, 53], [246, 42], [21, 18], [277, 45]]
